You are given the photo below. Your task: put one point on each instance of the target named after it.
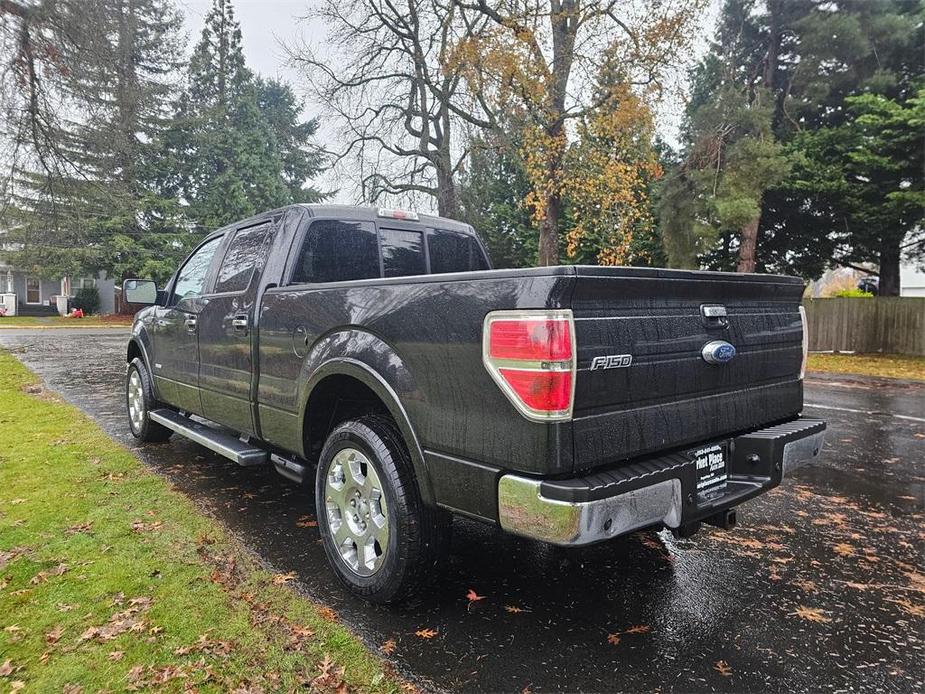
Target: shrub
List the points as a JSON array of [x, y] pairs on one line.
[[87, 299], [851, 294]]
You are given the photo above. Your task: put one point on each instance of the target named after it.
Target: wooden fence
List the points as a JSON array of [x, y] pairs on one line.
[[894, 325]]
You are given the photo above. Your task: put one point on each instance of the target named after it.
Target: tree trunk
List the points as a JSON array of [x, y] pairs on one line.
[[549, 233], [447, 200], [747, 245], [889, 268]]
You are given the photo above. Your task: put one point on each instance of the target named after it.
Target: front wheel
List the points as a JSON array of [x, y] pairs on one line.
[[139, 401], [381, 540]]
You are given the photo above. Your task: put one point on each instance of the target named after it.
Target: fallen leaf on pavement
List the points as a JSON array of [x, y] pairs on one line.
[[613, 639], [639, 629], [513, 609], [722, 667], [811, 614], [426, 633], [472, 596], [306, 522], [388, 647]]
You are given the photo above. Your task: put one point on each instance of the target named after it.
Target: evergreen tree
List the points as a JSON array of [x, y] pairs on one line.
[[236, 146], [96, 207]]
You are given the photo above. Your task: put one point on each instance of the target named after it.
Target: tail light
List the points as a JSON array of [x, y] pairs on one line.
[[805, 342], [531, 356]]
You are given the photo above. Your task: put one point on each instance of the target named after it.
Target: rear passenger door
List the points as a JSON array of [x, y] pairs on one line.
[[226, 334]]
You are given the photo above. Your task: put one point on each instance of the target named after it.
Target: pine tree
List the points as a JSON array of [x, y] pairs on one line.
[[236, 146], [96, 208]]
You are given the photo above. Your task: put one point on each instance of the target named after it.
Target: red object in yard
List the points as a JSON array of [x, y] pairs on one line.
[[76, 313]]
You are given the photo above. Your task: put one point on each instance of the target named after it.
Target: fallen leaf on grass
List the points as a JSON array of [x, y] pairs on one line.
[[810, 614], [6, 668], [72, 689], [17, 502], [280, 579], [54, 635], [115, 656], [16, 685], [327, 614], [43, 576], [142, 527], [79, 528], [722, 667], [388, 647], [426, 633]]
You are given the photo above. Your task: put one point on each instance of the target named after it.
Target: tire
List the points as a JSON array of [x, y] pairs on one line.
[[400, 561], [139, 401]]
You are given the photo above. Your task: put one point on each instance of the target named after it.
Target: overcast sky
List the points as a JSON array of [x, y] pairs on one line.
[[264, 24]]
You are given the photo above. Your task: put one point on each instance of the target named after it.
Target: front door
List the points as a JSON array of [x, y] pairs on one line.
[[226, 330], [176, 332]]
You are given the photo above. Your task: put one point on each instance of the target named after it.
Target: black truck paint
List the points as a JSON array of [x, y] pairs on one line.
[[282, 363]]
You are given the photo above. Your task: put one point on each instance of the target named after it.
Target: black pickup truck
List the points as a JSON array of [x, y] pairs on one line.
[[379, 349]]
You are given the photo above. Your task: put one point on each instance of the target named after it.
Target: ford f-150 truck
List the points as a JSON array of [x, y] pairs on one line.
[[379, 349]]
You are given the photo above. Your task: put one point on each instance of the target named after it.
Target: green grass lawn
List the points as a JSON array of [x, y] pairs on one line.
[[110, 580], [62, 322], [886, 365]]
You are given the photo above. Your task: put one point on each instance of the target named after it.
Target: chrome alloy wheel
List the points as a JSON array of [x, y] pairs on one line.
[[136, 400], [356, 512]]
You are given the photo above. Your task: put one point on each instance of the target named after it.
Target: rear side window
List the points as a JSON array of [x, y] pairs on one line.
[[241, 259], [402, 252], [453, 251], [336, 251]]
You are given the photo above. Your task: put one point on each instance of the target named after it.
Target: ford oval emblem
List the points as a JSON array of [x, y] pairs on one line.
[[717, 352]]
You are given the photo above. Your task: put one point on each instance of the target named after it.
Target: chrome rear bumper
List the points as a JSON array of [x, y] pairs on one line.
[[656, 492]]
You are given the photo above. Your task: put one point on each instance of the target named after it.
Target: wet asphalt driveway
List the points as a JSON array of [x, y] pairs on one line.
[[820, 588]]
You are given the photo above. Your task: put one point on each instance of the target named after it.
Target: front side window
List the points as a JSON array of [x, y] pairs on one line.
[[336, 251], [192, 276], [402, 252], [454, 251], [241, 259]]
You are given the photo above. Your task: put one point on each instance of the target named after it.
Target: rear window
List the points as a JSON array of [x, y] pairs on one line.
[[336, 251], [453, 251], [241, 259], [402, 252]]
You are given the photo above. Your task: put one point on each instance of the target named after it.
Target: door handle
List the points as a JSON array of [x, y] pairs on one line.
[[190, 323], [240, 324]]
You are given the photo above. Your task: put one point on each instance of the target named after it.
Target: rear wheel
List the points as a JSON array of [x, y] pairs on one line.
[[139, 401], [381, 540]]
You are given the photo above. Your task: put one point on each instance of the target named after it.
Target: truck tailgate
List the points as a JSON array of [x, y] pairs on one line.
[[669, 396]]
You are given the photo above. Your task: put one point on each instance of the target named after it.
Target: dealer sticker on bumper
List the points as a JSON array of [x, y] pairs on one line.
[[710, 463]]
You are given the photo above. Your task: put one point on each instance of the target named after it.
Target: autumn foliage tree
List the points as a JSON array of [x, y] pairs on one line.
[[542, 59]]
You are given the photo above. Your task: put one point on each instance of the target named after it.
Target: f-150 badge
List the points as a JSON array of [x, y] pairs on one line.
[[717, 352], [611, 361]]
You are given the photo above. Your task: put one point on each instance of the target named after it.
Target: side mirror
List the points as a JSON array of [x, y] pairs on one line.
[[139, 292]]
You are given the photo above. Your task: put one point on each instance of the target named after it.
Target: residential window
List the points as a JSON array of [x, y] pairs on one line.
[[402, 252], [336, 251], [33, 290], [9, 282], [241, 259], [192, 276], [86, 283]]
